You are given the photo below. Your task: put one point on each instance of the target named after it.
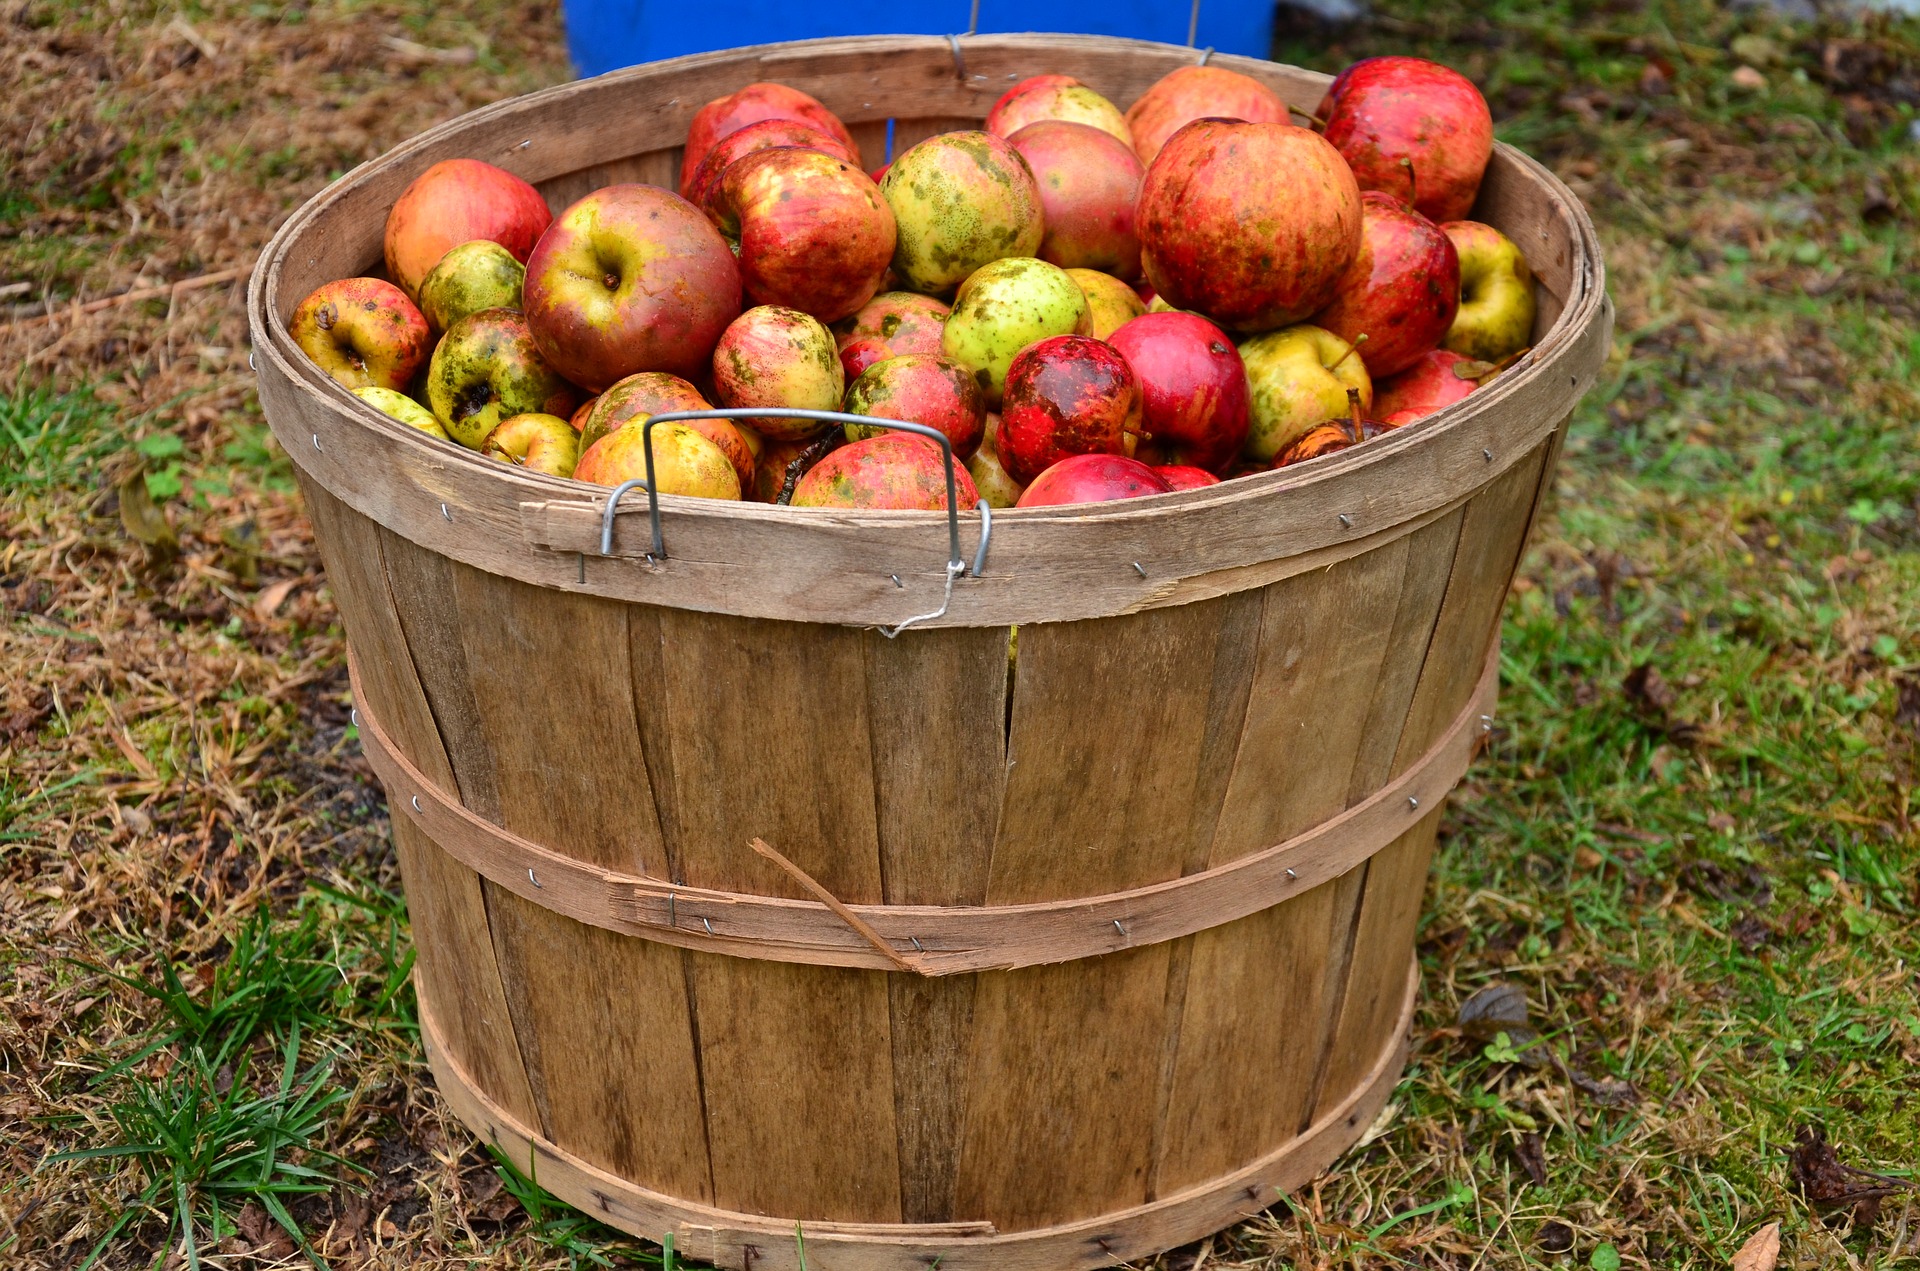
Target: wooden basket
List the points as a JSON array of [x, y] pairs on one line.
[[1129, 951]]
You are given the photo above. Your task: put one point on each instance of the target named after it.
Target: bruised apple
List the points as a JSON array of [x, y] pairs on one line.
[[471, 277], [1402, 289], [724, 116], [1042, 97], [657, 393], [1334, 436], [960, 200], [1414, 129], [684, 462], [774, 356], [486, 369], [454, 202], [764, 135], [1198, 92], [1068, 395], [1193, 388], [898, 471], [539, 443], [363, 332], [810, 229], [630, 278], [1251, 224], [1094, 478], [1089, 182], [921, 389]]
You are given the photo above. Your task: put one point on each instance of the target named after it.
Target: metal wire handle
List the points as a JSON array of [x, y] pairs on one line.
[[956, 563]]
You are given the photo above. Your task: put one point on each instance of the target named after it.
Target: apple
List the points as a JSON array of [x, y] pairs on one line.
[[1088, 184], [1093, 478], [921, 389], [1003, 307], [1182, 477], [1250, 224], [1412, 128], [487, 368], [1334, 436], [399, 406], [656, 393], [1067, 395], [774, 356], [725, 115], [1438, 379], [454, 202], [363, 332], [1198, 92], [630, 278], [770, 469], [1496, 293], [1401, 290], [581, 414], [1111, 304], [1062, 97], [961, 200], [471, 277], [763, 135], [541, 443], [898, 471], [1193, 388], [684, 462], [904, 321], [855, 358], [1298, 379], [811, 230], [990, 476]]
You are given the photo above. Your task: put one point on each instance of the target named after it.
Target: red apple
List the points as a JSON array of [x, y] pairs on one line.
[[1431, 382], [773, 356], [726, 115], [1250, 224], [1181, 477], [855, 358], [1093, 479], [1402, 289], [1198, 92], [904, 321], [1193, 387], [630, 278], [486, 369], [895, 471], [921, 389], [457, 201], [1088, 183], [1415, 129], [1066, 395], [1062, 97], [811, 230], [363, 332], [684, 462], [764, 135]]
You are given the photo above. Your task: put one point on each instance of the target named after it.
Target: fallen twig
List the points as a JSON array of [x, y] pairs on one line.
[[170, 290]]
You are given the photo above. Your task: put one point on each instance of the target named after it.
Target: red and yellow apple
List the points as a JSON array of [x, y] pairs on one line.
[[363, 332], [1198, 92], [1193, 389], [904, 321], [1297, 379], [684, 462], [724, 116], [1067, 395], [1402, 289], [924, 389], [1093, 478], [539, 443], [811, 230], [1003, 307], [1414, 129], [1496, 293], [1252, 225], [1437, 379], [486, 369], [1180, 476], [960, 200], [457, 201], [1088, 182], [1043, 97], [897, 471], [774, 356], [764, 135]]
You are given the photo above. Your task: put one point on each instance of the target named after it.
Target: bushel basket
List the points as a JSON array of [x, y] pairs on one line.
[[1113, 936]]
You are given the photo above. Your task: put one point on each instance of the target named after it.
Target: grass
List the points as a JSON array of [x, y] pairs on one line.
[[1691, 846]]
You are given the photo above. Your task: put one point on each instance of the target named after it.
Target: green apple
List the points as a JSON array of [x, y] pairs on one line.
[[959, 200], [486, 369], [403, 408], [471, 277], [1298, 377], [1496, 294], [1003, 307]]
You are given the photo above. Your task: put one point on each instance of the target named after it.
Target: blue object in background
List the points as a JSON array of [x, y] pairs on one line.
[[604, 35]]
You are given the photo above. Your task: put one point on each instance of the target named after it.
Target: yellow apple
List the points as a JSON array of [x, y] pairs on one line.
[[1298, 377], [1496, 294], [1112, 303]]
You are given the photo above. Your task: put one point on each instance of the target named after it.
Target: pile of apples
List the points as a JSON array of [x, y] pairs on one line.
[[1089, 305]]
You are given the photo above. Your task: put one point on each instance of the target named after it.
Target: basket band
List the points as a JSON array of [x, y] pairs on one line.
[[932, 939]]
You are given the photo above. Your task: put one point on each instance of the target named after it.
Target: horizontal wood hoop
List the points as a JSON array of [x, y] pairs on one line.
[[731, 1239], [808, 565], [934, 940]]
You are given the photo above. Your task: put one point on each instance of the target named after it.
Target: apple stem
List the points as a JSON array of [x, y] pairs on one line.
[[1413, 182], [1319, 121], [1352, 349], [1355, 428]]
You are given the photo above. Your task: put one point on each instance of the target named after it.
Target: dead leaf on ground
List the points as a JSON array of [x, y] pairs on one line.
[[25, 720], [1532, 1155], [1761, 1251], [143, 519], [1556, 1236], [1656, 77], [1648, 690], [268, 602], [1607, 1090], [1497, 1009], [1828, 1183], [268, 1238]]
